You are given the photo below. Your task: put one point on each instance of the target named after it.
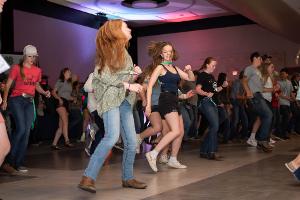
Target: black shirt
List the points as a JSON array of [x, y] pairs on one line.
[[208, 83]]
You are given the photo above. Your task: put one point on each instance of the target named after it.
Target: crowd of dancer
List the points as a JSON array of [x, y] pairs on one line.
[[260, 107]]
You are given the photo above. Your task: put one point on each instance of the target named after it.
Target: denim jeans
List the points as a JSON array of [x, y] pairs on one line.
[[262, 110], [117, 120], [23, 115], [209, 110], [239, 115]]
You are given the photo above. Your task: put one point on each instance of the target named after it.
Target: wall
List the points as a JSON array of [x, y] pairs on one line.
[[231, 46], [60, 44]]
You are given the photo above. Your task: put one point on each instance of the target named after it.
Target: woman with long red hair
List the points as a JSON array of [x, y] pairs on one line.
[[115, 94]]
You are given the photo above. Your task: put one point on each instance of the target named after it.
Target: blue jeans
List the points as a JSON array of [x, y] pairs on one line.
[[210, 111], [239, 115], [261, 109], [23, 115], [117, 120]]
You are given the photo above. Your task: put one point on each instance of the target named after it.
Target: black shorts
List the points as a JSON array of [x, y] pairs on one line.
[[154, 108], [167, 103], [65, 104]]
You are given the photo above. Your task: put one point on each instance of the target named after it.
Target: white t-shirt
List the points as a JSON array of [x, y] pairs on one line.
[[268, 95], [298, 93]]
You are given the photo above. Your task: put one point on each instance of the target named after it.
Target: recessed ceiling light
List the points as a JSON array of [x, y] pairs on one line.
[[144, 4]]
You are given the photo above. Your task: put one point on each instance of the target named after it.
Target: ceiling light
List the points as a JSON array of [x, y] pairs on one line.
[[144, 4]]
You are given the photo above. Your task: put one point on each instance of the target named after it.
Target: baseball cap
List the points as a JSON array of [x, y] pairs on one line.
[[30, 50]]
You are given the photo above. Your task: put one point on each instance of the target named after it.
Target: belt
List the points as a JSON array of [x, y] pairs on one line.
[[166, 91], [27, 96]]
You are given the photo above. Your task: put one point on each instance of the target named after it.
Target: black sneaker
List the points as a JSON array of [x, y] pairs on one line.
[[264, 145]]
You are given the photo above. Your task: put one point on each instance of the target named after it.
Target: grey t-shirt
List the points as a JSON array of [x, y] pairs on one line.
[[64, 89], [254, 79], [286, 90]]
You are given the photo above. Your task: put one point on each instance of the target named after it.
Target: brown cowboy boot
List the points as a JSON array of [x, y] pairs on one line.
[[132, 183], [87, 184]]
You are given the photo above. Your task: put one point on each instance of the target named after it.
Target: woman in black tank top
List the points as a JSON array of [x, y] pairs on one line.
[[163, 54]]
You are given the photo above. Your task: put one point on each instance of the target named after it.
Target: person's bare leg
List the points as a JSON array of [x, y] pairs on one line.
[[4, 143], [156, 126], [65, 126], [295, 163], [176, 144], [86, 120], [164, 158], [173, 122], [58, 132]]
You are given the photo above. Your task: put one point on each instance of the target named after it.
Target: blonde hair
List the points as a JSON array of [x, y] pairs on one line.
[[111, 44]]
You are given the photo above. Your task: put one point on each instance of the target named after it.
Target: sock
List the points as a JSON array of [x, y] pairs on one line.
[[252, 136], [154, 153], [173, 159]]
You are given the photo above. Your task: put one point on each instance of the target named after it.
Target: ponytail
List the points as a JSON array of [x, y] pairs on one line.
[[207, 61]]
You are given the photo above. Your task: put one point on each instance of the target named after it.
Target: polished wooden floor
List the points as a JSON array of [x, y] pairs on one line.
[[245, 173]]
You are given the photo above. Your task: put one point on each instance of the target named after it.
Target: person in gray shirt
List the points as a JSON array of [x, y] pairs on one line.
[[284, 101], [253, 85], [62, 93]]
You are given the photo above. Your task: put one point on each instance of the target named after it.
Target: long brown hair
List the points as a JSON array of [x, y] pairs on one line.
[[263, 68], [110, 46], [22, 68], [155, 51], [206, 62]]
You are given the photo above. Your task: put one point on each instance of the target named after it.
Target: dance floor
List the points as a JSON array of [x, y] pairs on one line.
[[244, 174]]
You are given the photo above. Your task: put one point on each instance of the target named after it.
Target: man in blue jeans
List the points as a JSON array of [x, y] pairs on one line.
[[253, 86]]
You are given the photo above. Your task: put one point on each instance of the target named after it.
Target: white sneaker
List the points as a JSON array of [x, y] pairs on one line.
[[252, 142], [272, 141], [163, 159], [138, 143], [176, 164], [151, 160], [22, 169]]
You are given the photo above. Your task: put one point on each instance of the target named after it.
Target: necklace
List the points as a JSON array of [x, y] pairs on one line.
[[167, 62]]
